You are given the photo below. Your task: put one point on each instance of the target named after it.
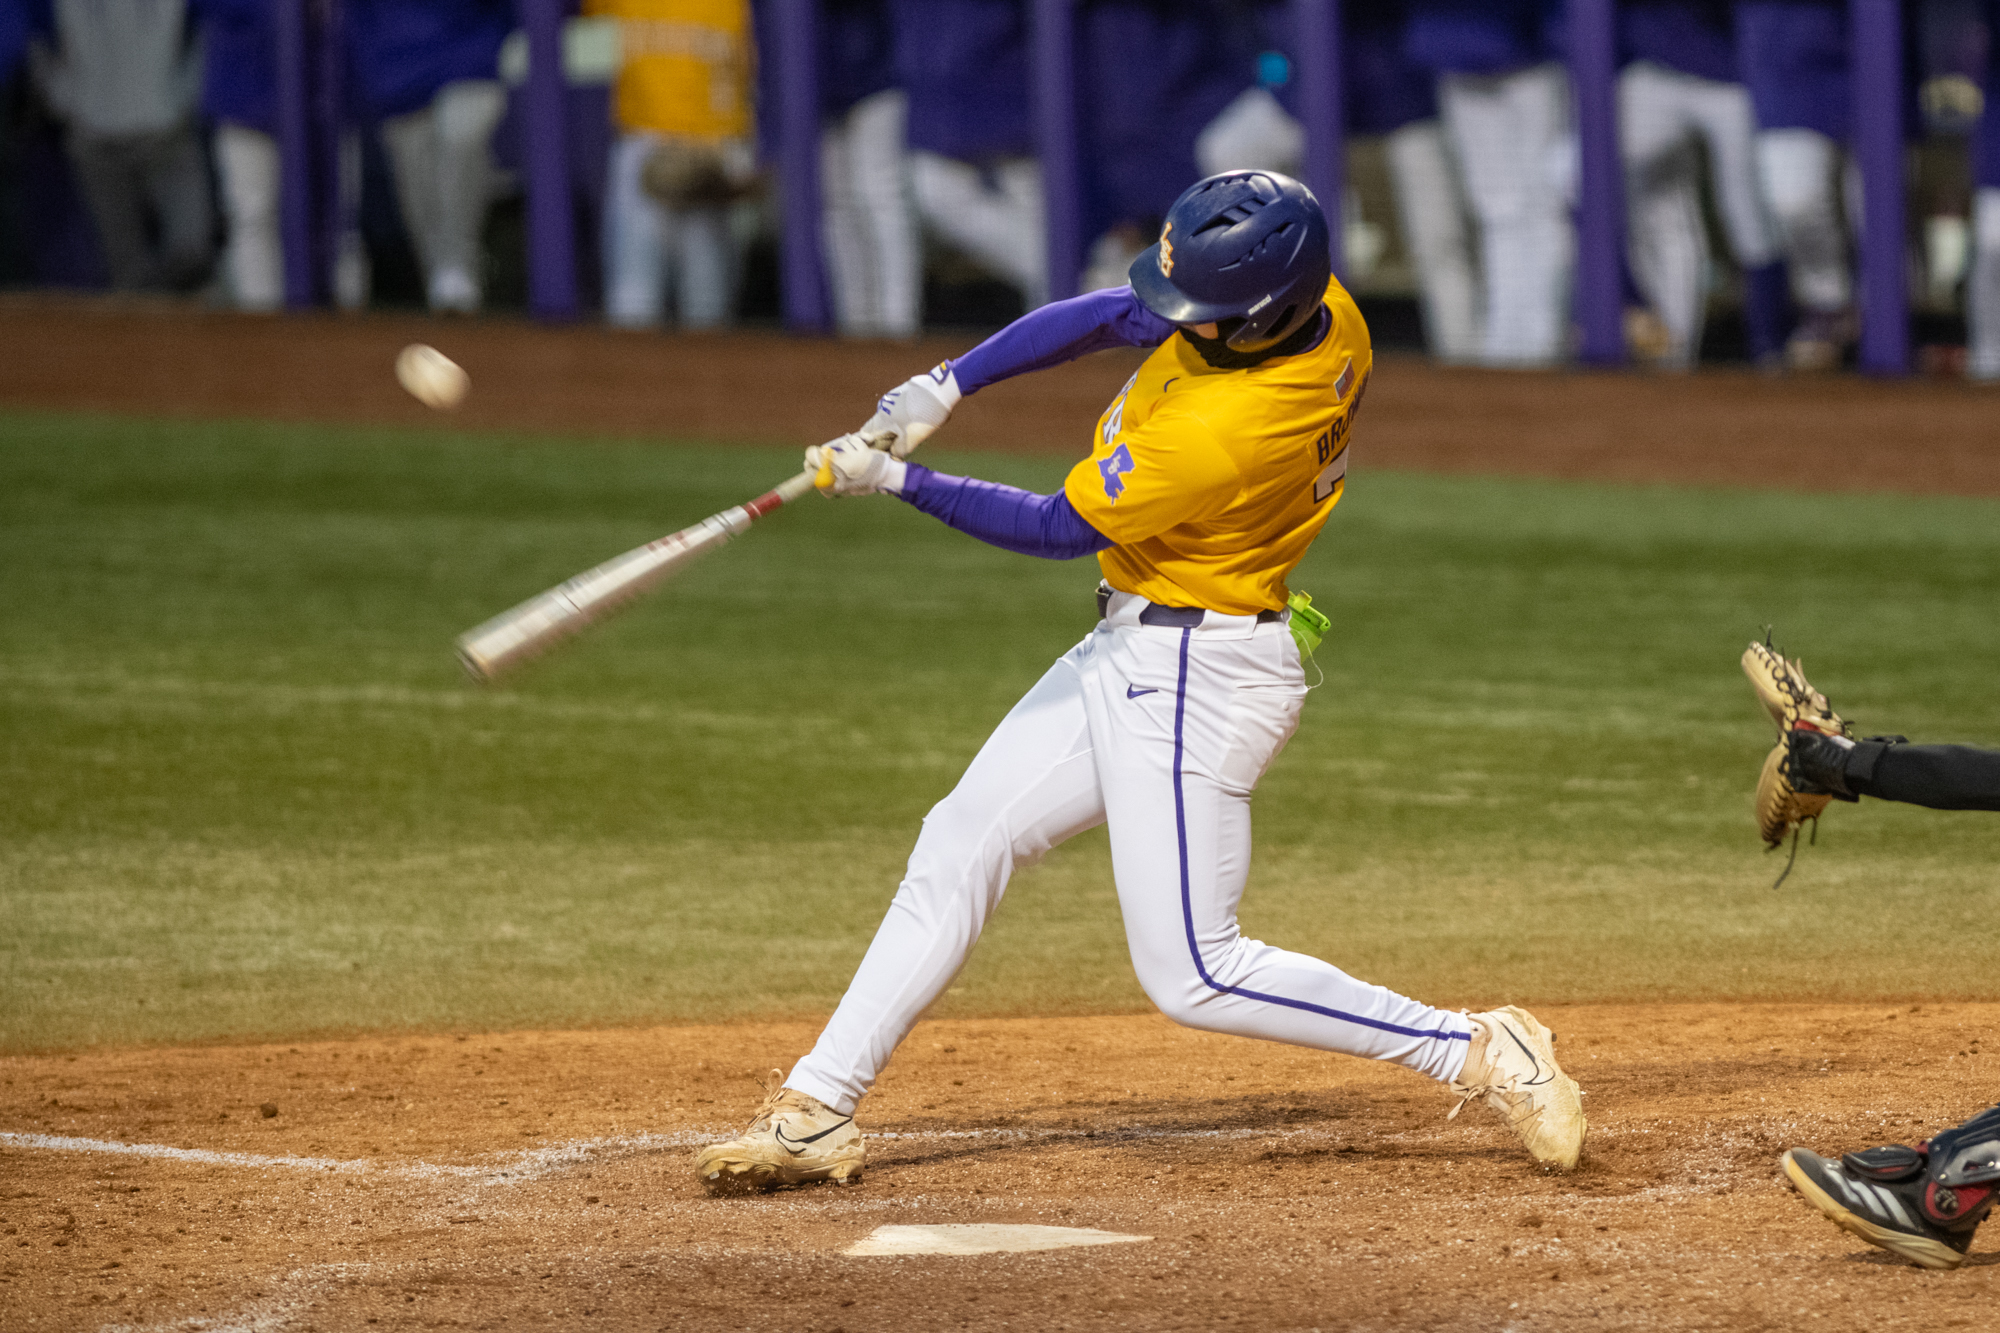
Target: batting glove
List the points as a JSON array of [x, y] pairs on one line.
[[908, 414], [850, 466]]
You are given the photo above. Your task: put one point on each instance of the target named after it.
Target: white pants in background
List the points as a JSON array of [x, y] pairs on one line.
[[868, 225], [254, 261], [1802, 172], [443, 162], [1255, 132], [1511, 134], [1430, 207], [994, 214], [651, 250], [1666, 119], [1982, 288], [248, 164], [1160, 733]]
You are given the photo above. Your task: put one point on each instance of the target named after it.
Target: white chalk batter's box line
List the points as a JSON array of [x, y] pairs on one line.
[[536, 1163]]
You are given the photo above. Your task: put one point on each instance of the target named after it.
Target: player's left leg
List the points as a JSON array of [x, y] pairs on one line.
[[1032, 785], [1923, 1203], [1184, 722]]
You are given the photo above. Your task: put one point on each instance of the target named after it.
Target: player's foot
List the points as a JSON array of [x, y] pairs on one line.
[[793, 1140], [1512, 1067], [1886, 1197]]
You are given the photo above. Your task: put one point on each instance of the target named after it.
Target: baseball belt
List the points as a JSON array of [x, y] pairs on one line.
[[1308, 626]]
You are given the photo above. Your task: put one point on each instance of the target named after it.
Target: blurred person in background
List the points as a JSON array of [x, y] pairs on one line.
[[124, 75], [870, 228], [1151, 76], [1385, 95], [239, 98], [1683, 113], [1982, 287], [973, 171], [682, 156], [429, 69], [1505, 101], [1794, 59]]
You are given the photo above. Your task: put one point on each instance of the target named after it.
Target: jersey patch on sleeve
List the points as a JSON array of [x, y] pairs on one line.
[[1113, 467]]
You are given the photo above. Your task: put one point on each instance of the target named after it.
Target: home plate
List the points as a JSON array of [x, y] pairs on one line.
[[981, 1238]]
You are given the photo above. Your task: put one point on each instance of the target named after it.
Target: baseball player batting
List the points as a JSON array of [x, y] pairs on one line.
[[1209, 476], [1923, 1202]]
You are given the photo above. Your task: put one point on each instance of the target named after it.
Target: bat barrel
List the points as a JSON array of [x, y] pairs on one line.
[[541, 622]]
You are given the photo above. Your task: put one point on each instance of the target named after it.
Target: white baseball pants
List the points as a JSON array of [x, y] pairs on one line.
[[442, 160], [246, 161], [993, 214], [1982, 287], [869, 224], [650, 248], [1517, 151], [1431, 206], [1665, 119], [1161, 733], [1804, 177]]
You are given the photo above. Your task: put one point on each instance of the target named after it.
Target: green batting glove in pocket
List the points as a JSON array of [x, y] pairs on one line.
[[1307, 625]]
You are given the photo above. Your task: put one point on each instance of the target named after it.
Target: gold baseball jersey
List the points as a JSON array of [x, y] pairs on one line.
[[685, 66], [1214, 482]]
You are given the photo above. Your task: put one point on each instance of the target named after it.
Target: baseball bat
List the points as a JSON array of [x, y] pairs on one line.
[[541, 622]]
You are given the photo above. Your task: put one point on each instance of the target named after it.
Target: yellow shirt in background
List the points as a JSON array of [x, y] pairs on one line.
[[685, 66], [1214, 482]]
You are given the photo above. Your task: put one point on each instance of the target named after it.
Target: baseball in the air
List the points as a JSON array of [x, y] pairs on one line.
[[433, 379]]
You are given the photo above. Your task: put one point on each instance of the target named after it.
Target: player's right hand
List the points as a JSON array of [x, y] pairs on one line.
[[850, 465], [908, 414]]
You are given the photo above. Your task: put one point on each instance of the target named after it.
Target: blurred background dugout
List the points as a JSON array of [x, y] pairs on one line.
[[1516, 182]]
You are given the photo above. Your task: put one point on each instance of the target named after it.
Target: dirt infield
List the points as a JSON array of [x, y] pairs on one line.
[[539, 1180], [1731, 427]]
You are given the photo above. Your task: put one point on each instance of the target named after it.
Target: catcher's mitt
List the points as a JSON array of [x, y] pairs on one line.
[[1794, 705]]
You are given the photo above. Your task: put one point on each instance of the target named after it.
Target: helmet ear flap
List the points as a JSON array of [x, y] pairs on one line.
[[1262, 334]]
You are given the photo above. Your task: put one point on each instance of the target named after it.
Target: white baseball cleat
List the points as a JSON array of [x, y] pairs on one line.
[[1512, 1066], [793, 1139]]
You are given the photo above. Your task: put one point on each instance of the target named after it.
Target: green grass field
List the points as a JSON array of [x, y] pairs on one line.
[[244, 791]]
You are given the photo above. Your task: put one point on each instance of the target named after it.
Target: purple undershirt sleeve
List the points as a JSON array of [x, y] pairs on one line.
[[1004, 516], [1062, 331]]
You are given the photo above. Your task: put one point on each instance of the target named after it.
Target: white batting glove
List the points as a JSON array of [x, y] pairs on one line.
[[908, 414], [851, 466]]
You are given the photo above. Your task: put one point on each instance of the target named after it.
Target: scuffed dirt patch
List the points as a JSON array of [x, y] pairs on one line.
[[538, 1180]]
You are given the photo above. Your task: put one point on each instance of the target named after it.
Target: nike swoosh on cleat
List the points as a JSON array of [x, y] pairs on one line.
[[1133, 692], [778, 1132], [1541, 1075]]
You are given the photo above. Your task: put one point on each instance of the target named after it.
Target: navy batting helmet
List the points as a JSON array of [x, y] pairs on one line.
[[1246, 249]]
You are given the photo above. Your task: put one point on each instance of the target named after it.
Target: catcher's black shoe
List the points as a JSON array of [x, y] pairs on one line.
[[1905, 1199]]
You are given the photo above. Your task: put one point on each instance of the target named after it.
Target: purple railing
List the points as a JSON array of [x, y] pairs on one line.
[[1322, 106], [1876, 40]]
